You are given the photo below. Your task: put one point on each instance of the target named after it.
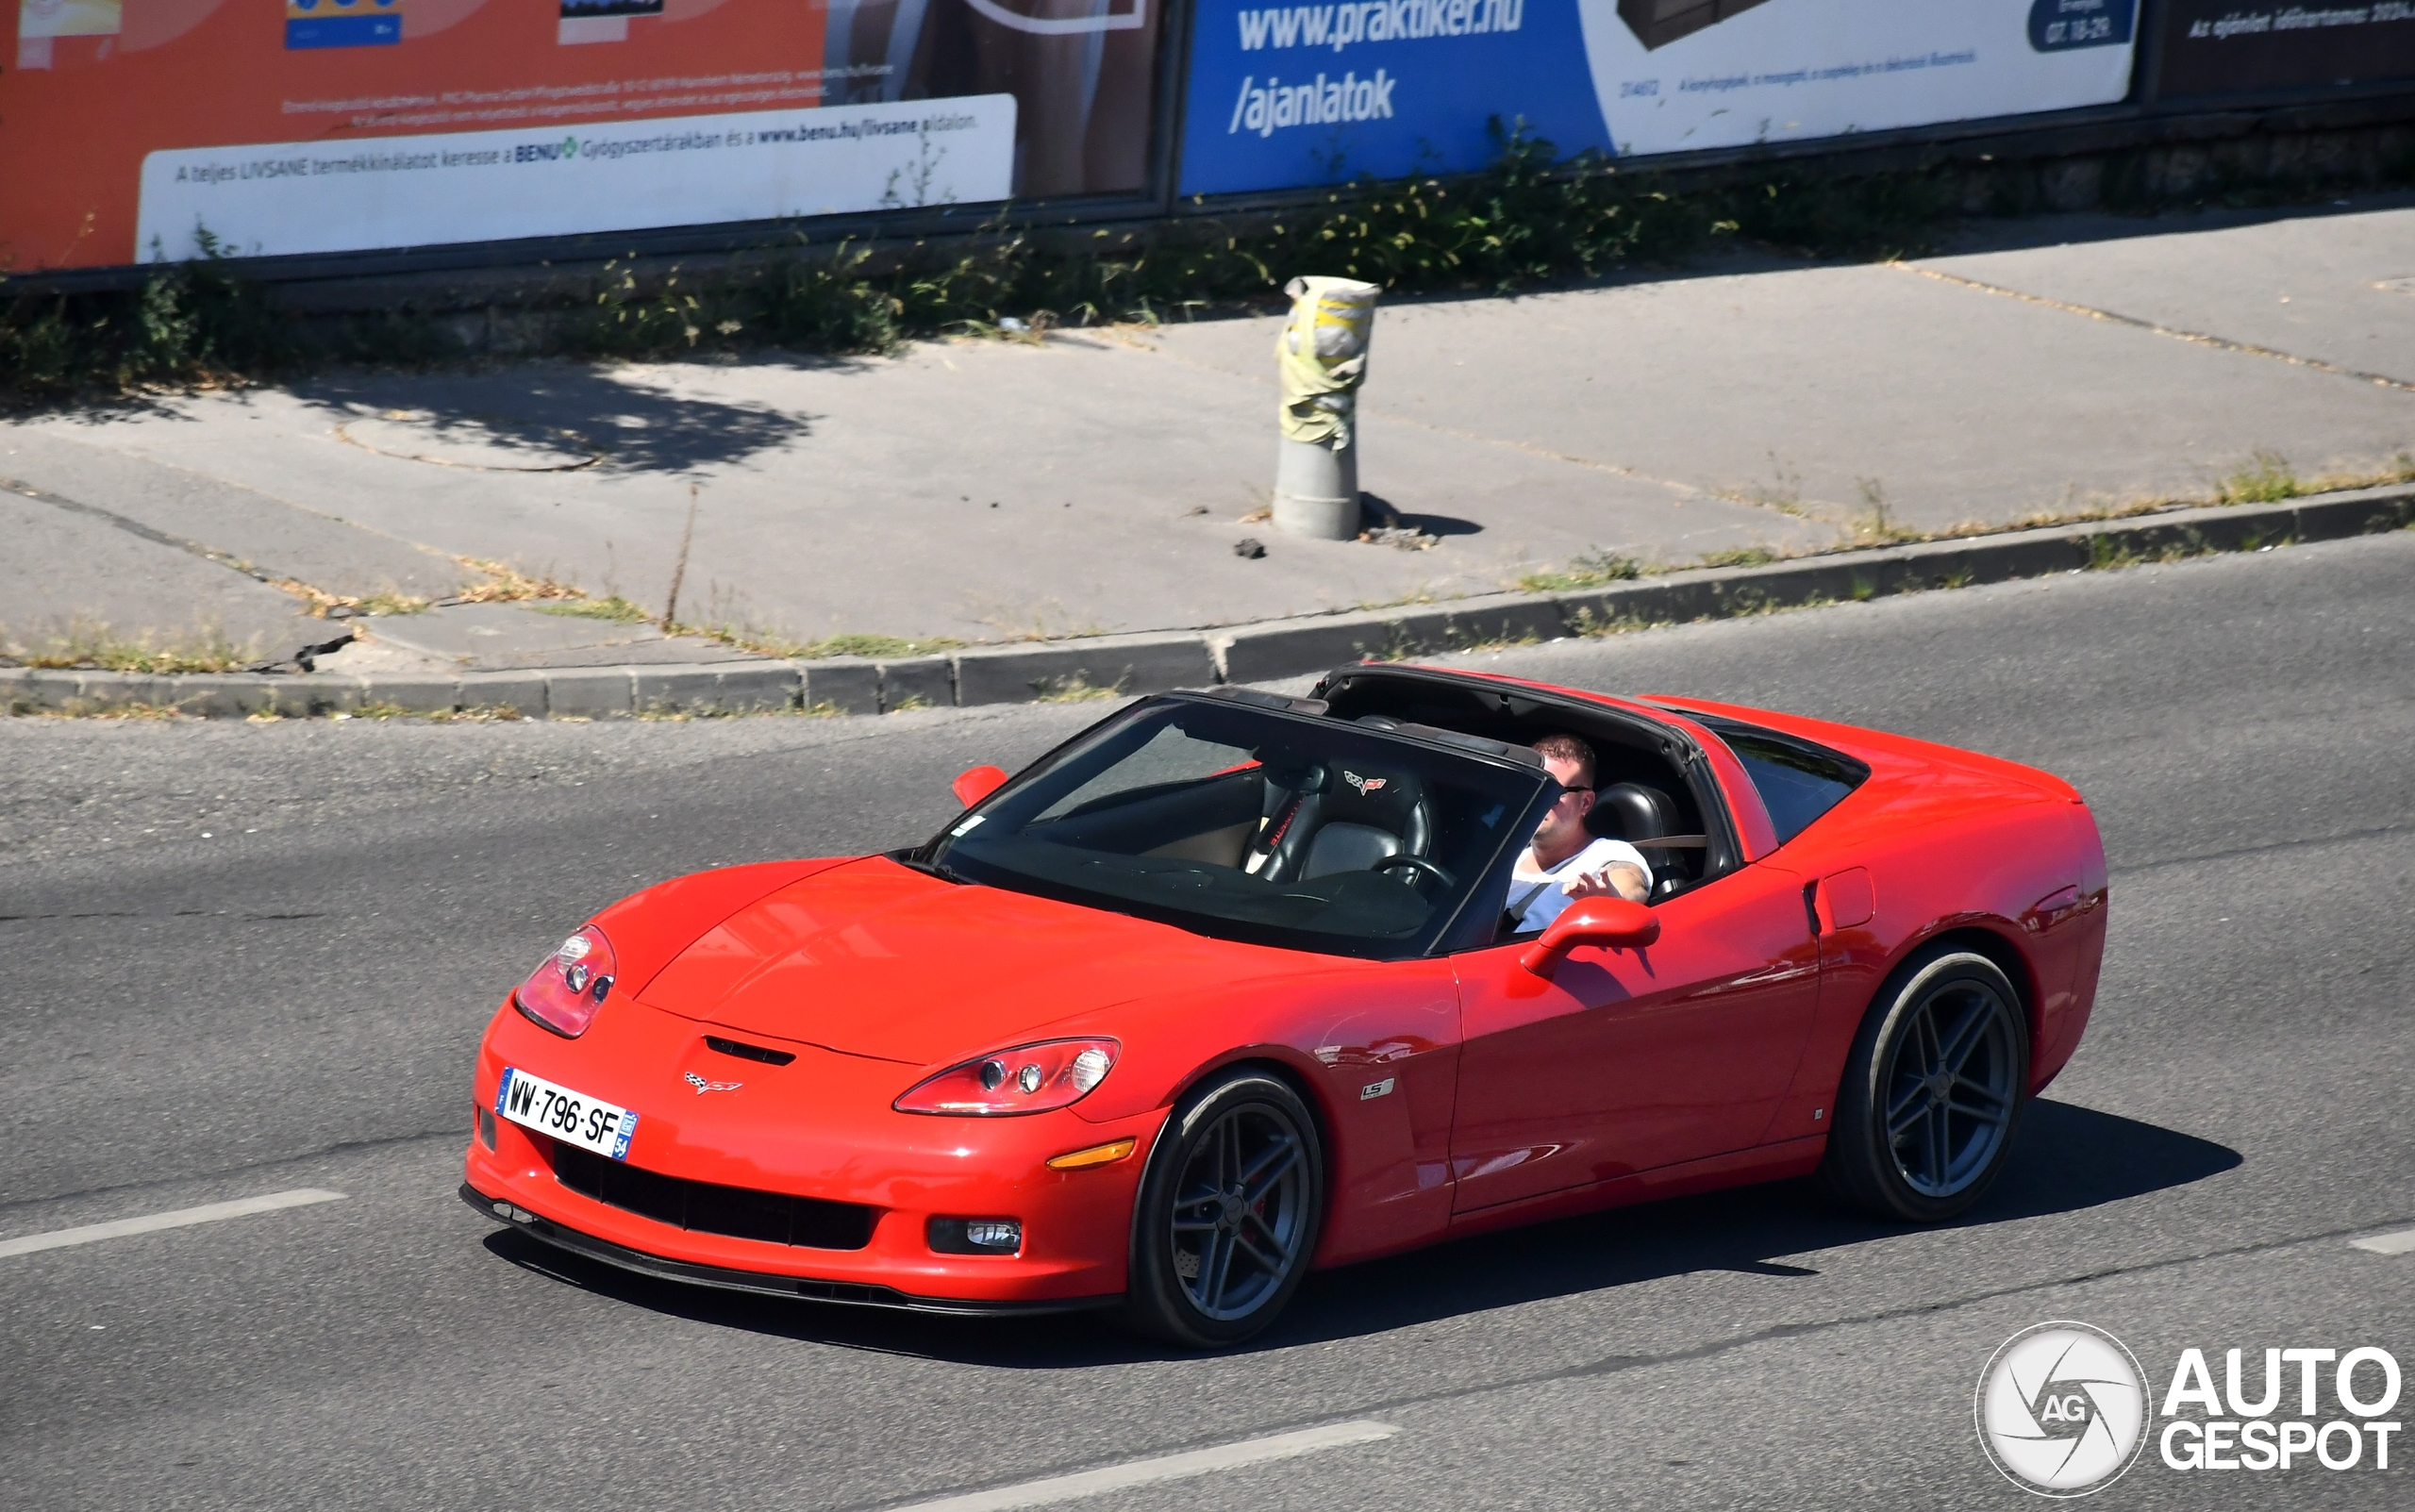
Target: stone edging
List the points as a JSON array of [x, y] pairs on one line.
[[1147, 663]]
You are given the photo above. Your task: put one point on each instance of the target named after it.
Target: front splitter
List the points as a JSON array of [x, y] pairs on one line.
[[844, 1293]]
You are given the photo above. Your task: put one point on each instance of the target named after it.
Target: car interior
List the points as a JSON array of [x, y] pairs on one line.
[[1640, 796], [1273, 824]]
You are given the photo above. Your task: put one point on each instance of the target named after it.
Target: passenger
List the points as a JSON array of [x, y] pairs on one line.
[[1566, 862]]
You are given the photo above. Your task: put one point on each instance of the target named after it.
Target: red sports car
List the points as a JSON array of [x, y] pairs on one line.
[[1227, 987]]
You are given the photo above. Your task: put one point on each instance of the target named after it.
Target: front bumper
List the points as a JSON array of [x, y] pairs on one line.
[[845, 1293], [820, 1127]]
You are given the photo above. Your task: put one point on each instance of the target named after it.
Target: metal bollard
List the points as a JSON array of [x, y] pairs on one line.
[[1321, 358]]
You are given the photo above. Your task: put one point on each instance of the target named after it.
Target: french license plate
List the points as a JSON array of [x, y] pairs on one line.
[[573, 1118]]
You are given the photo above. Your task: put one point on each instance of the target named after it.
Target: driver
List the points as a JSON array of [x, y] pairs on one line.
[[1565, 861]]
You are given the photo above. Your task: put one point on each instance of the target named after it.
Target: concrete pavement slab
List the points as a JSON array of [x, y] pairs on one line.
[[1824, 392], [2338, 287], [306, 540], [493, 636], [67, 576], [1097, 483]]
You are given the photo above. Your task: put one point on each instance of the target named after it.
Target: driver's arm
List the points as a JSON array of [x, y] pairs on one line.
[[1620, 879]]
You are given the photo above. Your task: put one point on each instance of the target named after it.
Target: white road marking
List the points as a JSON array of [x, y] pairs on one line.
[[1164, 1467], [2402, 1242], [182, 1217]]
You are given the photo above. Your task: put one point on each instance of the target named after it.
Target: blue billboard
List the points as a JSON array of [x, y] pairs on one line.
[[1285, 96], [1292, 94]]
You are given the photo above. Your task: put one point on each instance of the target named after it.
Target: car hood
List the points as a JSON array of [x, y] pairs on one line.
[[874, 958]]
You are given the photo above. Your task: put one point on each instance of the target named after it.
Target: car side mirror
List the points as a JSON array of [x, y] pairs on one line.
[[1610, 922], [978, 783]]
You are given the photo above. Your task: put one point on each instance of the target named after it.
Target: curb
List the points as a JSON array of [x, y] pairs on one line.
[[1117, 665]]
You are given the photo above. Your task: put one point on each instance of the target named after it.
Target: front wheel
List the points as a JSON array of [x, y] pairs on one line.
[[1925, 1114], [1228, 1212]]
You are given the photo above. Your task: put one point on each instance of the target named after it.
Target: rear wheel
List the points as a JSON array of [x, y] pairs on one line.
[[1228, 1212], [1932, 1090]]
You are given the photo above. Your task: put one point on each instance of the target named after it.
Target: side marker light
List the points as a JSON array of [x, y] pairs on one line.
[[1097, 1155]]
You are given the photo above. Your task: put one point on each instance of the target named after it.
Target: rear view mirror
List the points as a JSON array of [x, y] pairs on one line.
[[978, 783], [1609, 922]]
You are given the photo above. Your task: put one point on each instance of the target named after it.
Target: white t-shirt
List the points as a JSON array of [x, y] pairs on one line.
[[1537, 897]]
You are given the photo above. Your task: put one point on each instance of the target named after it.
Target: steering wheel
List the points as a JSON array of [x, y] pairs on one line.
[[1419, 865]]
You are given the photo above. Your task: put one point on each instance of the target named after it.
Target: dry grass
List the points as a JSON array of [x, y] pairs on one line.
[[90, 644]]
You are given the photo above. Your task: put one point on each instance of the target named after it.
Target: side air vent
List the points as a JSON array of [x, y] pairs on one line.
[[746, 1052]]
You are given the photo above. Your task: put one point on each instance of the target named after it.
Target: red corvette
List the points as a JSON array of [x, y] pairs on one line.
[[1223, 988]]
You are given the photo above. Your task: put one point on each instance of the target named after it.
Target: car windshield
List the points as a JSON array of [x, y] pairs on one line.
[[1254, 824]]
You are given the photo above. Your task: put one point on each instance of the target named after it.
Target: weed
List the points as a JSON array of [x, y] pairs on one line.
[[85, 643], [2104, 554], [1593, 626], [1863, 588], [1591, 570], [476, 714], [1075, 689], [508, 585], [1740, 557], [2269, 481], [616, 608], [908, 704], [373, 711], [1872, 526], [877, 645], [1959, 577], [388, 602]]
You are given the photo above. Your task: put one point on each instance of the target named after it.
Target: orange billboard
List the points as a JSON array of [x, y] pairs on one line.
[[137, 131]]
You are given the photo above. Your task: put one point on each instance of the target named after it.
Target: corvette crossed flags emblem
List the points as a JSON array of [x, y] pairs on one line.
[[1368, 787]]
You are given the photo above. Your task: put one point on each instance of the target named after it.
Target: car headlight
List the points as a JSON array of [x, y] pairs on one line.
[[1026, 1079], [567, 987]]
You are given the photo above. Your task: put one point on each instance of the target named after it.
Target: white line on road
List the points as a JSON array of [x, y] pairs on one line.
[[1164, 1467], [2399, 1243], [182, 1217]]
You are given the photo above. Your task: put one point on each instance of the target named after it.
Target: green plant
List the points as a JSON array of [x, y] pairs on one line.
[[615, 609], [1591, 570], [2105, 554], [93, 644], [1075, 689], [1740, 557], [2268, 480]]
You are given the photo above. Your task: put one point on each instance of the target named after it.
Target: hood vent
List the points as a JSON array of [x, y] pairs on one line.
[[746, 1052]]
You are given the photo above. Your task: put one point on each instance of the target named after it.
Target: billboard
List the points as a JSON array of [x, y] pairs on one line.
[[2223, 47], [137, 129], [1285, 95]]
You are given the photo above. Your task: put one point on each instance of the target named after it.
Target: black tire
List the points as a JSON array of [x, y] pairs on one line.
[[1228, 1214], [1932, 1091]]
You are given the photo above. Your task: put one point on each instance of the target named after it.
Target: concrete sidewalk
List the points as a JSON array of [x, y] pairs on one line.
[[1099, 481]]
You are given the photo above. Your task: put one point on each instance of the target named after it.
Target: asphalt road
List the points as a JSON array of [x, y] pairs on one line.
[[237, 960]]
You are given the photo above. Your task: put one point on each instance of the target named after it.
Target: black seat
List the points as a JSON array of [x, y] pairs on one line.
[[1639, 815], [1341, 816]]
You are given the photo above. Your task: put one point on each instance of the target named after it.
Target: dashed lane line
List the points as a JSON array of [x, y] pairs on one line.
[[2400, 1242], [180, 1218], [1058, 1488]]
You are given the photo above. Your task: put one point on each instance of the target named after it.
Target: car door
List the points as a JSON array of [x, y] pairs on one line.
[[1624, 1060]]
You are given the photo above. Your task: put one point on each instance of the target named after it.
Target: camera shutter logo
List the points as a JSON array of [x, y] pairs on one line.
[[2062, 1409]]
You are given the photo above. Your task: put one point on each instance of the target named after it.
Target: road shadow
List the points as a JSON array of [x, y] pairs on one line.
[[2065, 1158], [556, 415]]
